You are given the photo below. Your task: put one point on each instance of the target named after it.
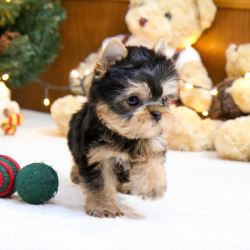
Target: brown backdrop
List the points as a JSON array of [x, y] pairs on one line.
[[90, 21]]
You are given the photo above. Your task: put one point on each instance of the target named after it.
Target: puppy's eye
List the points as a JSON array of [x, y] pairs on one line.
[[168, 15], [133, 100]]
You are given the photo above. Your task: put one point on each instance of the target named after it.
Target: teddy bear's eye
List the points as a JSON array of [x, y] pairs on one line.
[[168, 15]]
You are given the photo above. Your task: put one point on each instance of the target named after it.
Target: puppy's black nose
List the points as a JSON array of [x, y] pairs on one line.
[[156, 115]]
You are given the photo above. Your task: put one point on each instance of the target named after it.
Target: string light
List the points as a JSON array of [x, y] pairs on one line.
[[46, 100], [5, 77], [189, 85], [46, 86], [74, 73], [214, 92], [247, 75], [205, 113]]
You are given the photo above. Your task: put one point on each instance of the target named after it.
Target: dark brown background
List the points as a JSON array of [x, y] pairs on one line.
[[90, 21]]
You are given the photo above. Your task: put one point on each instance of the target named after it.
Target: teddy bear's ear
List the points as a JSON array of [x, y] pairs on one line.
[[113, 52], [134, 3], [160, 47], [207, 11]]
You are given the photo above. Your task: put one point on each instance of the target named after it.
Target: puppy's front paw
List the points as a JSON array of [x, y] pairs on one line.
[[124, 188], [106, 211], [154, 193]]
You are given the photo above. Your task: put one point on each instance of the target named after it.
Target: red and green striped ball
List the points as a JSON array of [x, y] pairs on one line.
[[8, 172]]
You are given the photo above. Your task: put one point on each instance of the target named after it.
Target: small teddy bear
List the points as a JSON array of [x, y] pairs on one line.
[[232, 140], [230, 107], [62, 110], [150, 20], [10, 116], [238, 60]]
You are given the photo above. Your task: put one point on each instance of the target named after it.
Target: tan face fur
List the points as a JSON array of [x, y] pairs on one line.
[[140, 125]]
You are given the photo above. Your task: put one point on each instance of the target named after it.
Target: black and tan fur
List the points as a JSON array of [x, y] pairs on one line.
[[119, 138]]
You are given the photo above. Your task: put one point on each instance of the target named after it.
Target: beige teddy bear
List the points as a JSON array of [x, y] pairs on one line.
[[151, 20], [176, 21], [238, 60], [231, 138], [232, 141], [62, 110], [190, 132]]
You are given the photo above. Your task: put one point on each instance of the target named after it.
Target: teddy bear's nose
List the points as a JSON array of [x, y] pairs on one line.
[[143, 21]]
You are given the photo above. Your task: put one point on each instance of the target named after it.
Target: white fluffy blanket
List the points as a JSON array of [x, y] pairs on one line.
[[207, 206]]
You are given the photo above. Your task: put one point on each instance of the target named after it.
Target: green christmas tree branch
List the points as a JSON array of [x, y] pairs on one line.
[[38, 44]]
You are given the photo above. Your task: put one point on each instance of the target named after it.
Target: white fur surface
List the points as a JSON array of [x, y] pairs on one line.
[[207, 205], [188, 54]]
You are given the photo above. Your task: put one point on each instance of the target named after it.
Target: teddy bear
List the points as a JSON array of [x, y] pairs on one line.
[[10, 116], [226, 129], [148, 21], [232, 140], [62, 110], [237, 60]]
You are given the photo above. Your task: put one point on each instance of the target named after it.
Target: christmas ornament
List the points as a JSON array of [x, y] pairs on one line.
[[8, 171], [37, 183]]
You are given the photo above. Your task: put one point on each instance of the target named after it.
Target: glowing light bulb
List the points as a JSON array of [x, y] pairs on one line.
[[205, 113], [5, 77], [46, 102], [214, 92], [189, 85], [8, 1], [74, 73], [247, 75], [87, 72], [187, 44]]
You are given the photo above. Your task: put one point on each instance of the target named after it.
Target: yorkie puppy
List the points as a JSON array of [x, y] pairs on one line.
[[119, 138]]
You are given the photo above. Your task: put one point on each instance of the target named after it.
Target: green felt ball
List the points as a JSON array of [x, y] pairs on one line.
[[36, 183]]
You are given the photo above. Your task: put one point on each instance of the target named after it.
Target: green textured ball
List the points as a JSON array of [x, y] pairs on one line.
[[36, 183]]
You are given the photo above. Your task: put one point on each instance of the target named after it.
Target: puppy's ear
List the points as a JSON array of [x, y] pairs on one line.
[[113, 52], [160, 47]]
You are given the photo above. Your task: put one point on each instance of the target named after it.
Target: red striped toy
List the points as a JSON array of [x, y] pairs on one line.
[[8, 171], [11, 123]]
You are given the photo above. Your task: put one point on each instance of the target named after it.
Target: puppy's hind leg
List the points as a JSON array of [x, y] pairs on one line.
[[74, 174]]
